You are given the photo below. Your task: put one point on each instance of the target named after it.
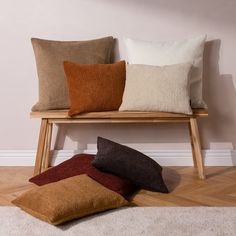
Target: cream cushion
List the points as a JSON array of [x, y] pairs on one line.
[[154, 88], [169, 53]]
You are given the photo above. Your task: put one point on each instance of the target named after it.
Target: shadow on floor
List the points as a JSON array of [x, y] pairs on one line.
[[171, 177], [221, 171]]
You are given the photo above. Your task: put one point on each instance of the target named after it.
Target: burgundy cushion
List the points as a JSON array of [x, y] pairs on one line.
[[81, 164]]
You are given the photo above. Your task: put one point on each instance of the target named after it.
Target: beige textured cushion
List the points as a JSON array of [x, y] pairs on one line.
[[154, 88], [68, 199], [170, 53], [49, 57]]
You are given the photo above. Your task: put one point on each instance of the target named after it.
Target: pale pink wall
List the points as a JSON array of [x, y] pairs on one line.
[[147, 19]]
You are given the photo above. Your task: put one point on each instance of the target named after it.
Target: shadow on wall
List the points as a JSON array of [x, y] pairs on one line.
[[220, 95], [83, 134], [116, 53]]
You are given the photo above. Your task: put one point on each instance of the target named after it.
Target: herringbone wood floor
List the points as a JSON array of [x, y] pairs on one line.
[[219, 189]]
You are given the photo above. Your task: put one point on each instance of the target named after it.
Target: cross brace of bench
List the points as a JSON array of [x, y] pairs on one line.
[[49, 118]]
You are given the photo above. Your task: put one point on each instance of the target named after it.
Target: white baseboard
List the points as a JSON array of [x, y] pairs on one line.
[[223, 157]]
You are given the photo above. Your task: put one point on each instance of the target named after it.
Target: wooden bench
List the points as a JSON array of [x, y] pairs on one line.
[[48, 118]]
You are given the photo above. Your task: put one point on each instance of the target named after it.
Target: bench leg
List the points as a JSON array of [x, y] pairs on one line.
[[196, 147], [48, 146], [192, 146], [41, 147]]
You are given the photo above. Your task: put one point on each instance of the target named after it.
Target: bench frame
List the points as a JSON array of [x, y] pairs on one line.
[[48, 118]]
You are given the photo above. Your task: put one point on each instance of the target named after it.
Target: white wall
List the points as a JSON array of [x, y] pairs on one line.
[[86, 19]]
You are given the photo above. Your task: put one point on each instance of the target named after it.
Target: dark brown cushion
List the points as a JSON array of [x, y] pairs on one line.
[[129, 163], [68, 199], [81, 164], [95, 87], [49, 57]]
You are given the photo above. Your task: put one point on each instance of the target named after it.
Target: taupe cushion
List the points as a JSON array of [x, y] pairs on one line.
[[49, 57], [68, 199], [154, 88]]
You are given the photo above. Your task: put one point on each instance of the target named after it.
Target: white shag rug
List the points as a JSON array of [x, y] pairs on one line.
[[145, 221]]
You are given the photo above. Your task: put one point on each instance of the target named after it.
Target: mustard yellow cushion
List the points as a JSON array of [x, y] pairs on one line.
[[68, 199]]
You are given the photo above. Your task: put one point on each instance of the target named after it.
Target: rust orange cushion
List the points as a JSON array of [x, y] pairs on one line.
[[94, 87], [68, 199]]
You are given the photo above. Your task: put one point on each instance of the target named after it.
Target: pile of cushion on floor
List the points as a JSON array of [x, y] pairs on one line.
[[88, 184]]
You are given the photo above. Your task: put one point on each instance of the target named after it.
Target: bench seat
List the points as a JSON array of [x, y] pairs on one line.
[[117, 115], [48, 118]]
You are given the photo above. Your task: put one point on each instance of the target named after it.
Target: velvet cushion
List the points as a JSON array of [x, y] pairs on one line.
[[68, 199], [129, 163], [95, 87], [81, 164], [49, 57]]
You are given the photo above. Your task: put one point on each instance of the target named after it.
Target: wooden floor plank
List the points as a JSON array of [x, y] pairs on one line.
[[219, 189]]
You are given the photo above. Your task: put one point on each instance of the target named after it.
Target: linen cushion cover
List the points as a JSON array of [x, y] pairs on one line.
[[154, 88], [131, 164], [95, 87], [81, 164], [49, 57], [168, 53], [68, 199]]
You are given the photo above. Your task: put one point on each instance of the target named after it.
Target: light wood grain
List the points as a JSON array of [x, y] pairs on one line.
[[219, 188], [41, 147], [13, 182], [116, 117], [192, 146], [197, 147], [48, 145], [117, 121], [116, 114]]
